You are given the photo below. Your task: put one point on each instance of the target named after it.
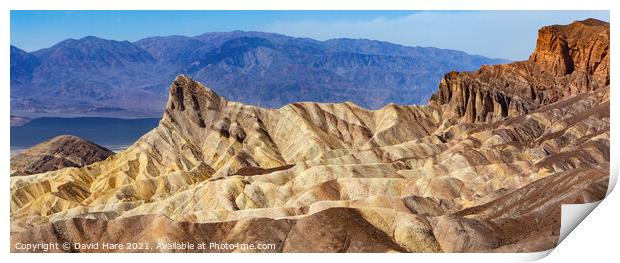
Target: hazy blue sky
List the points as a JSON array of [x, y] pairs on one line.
[[498, 34]]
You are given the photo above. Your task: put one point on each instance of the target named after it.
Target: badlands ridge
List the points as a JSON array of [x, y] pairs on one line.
[[484, 166], [58, 152]]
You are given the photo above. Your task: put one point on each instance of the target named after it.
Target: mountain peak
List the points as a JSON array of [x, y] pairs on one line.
[[184, 81], [22, 66], [189, 101], [16, 49], [592, 22], [90, 53], [93, 38]]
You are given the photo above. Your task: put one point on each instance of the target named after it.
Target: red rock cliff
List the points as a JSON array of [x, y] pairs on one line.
[[568, 60]]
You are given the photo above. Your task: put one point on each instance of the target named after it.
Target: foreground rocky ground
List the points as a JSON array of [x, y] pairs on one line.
[[484, 166]]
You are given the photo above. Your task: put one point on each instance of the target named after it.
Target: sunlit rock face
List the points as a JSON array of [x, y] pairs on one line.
[[568, 60], [484, 166]]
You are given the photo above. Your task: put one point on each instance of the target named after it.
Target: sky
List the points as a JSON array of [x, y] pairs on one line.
[[496, 34]]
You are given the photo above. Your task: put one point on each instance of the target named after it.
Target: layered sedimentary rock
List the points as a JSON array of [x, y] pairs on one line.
[[56, 153], [484, 167], [568, 60]]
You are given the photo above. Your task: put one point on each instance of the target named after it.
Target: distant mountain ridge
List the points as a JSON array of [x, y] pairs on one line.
[[98, 77]]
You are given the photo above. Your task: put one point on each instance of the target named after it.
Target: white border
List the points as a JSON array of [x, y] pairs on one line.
[[313, 5], [300, 5]]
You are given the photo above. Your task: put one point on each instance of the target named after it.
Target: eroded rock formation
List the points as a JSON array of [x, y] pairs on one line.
[[56, 153], [568, 60], [483, 167]]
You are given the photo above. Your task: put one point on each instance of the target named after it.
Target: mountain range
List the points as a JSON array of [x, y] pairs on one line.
[[98, 77]]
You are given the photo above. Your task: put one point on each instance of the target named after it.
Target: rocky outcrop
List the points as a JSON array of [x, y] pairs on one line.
[[56, 153], [568, 60], [581, 46], [482, 168]]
